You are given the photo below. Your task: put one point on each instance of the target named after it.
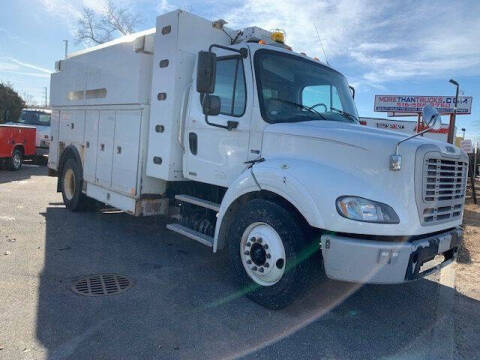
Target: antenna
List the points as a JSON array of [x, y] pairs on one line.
[[321, 44]]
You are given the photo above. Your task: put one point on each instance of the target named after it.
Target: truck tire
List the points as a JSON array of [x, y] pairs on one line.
[[16, 161], [71, 186], [270, 255]]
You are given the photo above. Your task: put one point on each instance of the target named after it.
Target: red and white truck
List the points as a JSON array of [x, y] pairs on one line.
[[16, 143]]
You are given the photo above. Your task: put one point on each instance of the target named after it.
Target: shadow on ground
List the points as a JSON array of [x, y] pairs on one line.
[[26, 172], [183, 306]]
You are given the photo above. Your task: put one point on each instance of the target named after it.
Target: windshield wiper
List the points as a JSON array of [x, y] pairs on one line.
[[345, 114], [304, 107]]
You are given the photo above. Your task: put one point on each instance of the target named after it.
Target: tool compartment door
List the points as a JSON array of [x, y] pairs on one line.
[[126, 151], [106, 132], [91, 145]]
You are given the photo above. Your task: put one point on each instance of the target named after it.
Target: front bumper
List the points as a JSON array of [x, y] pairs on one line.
[[382, 262]]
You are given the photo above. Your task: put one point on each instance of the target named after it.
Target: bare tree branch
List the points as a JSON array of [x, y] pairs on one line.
[[94, 28]]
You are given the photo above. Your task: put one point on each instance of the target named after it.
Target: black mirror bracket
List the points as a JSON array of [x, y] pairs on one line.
[[244, 54], [230, 124], [242, 51]]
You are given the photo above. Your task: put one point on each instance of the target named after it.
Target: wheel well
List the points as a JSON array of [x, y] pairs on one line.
[[20, 147], [70, 152], [265, 195]]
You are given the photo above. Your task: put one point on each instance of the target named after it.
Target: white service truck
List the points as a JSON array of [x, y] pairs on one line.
[[255, 149]]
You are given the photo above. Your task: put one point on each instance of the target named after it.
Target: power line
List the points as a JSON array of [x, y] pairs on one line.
[[321, 44]]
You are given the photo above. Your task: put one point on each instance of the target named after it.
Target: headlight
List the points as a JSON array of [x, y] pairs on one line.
[[360, 209]]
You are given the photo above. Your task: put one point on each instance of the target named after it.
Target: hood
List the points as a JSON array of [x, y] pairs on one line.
[[353, 136]]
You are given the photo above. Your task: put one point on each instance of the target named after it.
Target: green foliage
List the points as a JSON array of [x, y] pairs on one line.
[[11, 104]]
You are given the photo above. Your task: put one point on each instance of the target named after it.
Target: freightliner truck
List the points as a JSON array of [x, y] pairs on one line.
[[255, 149]]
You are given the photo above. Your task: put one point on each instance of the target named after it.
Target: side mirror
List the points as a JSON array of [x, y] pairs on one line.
[[206, 68], [211, 104], [431, 117]]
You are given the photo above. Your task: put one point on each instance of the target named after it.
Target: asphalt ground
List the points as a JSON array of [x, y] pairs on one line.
[[182, 304]]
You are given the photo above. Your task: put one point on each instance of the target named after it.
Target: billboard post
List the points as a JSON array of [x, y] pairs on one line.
[[453, 116]]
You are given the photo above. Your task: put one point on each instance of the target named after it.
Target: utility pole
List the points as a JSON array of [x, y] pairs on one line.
[[46, 101], [463, 130], [66, 48], [451, 129]]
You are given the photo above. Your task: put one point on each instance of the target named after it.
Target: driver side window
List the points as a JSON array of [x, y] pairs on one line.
[[230, 86]]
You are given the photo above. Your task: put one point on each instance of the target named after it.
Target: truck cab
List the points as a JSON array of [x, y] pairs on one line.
[[256, 150], [40, 120]]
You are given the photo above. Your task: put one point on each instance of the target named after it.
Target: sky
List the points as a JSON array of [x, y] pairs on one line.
[[383, 47]]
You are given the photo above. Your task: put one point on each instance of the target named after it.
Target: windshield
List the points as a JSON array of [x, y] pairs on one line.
[[293, 89], [34, 118]]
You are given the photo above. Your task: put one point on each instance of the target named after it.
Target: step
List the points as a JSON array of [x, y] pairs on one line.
[[199, 202], [192, 234]]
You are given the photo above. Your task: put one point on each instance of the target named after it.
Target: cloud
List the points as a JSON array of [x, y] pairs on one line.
[[64, 9], [25, 73], [379, 41], [9, 65], [164, 6], [30, 66]]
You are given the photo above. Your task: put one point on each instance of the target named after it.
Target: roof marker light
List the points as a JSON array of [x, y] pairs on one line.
[[278, 35]]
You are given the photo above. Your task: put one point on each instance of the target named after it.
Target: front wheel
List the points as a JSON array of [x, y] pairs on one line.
[[16, 160], [270, 253]]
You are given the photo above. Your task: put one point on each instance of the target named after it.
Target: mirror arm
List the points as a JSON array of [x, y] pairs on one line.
[[411, 137], [230, 124], [353, 91], [243, 51]]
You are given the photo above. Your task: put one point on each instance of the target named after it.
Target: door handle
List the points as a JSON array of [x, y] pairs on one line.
[[102, 147], [193, 143], [119, 149]]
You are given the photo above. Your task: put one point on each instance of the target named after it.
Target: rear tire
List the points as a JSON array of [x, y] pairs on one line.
[[16, 161], [276, 269], [71, 186]]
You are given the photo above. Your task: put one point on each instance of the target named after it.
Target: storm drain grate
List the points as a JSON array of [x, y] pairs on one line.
[[101, 285]]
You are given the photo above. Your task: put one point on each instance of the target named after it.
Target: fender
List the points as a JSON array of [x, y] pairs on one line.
[[275, 177], [70, 151]]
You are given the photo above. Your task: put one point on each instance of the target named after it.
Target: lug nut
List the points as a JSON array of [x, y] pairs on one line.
[[265, 246], [266, 265], [254, 268], [249, 262], [269, 256], [253, 239], [261, 269], [247, 252], [249, 244], [259, 240]]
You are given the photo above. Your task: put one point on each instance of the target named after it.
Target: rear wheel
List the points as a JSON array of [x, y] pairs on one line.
[[71, 185], [16, 160], [270, 253]]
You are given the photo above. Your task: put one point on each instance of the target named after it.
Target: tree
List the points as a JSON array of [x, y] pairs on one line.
[[94, 28], [11, 104]]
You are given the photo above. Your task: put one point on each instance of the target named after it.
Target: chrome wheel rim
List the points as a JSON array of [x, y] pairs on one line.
[[69, 184], [263, 254], [17, 160]]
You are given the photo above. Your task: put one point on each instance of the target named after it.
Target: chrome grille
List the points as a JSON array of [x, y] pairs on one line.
[[444, 183]]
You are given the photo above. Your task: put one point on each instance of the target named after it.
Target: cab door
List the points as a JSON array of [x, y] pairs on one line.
[[216, 155]]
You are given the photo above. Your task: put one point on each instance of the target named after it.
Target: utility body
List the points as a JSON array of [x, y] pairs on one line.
[[255, 149], [16, 143]]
